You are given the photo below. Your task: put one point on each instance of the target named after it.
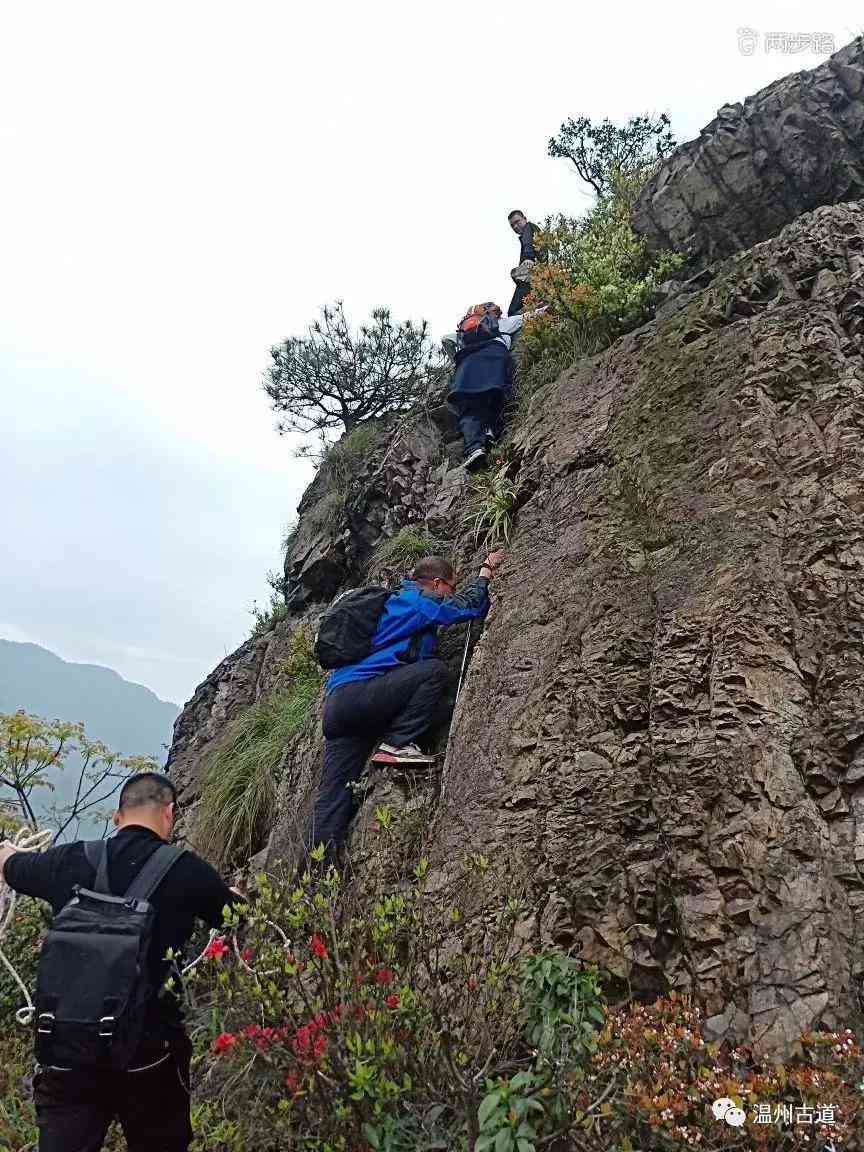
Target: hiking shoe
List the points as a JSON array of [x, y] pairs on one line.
[[475, 460], [407, 754]]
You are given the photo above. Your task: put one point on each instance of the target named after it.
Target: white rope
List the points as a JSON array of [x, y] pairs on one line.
[[201, 955], [25, 839], [252, 971]]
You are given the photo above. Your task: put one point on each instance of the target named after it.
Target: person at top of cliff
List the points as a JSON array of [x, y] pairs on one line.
[[482, 384], [389, 700], [77, 1099], [529, 253]]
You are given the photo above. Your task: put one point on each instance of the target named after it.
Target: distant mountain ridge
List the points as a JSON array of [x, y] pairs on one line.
[[128, 717]]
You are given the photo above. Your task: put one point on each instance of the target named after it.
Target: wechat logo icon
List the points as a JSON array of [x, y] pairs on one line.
[[728, 1110]]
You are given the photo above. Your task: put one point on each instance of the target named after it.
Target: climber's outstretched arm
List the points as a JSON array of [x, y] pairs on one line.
[[468, 604]]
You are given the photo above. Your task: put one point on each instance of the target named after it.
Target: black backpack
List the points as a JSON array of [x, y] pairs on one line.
[[94, 985], [347, 627]]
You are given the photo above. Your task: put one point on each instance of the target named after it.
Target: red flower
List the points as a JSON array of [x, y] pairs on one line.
[[310, 1042], [292, 1082], [384, 976], [247, 955], [318, 947], [216, 949], [224, 1041], [392, 1000], [251, 1030]]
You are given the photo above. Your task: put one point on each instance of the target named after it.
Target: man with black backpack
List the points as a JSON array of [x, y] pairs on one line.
[[483, 381], [397, 691], [109, 1037]]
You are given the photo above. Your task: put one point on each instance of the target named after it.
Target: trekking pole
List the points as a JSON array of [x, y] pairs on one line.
[[468, 636]]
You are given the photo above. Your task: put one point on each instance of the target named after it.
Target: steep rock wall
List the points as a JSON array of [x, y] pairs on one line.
[[410, 478], [665, 719], [797, 144], [663, 725]]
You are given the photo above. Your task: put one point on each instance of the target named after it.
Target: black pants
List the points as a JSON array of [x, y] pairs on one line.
[[396, 708], [479, 413], [74, 1109], [518, 300]]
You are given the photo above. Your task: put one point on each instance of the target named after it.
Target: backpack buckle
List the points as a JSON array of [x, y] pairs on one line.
[[45, 1023], [106, 1027]]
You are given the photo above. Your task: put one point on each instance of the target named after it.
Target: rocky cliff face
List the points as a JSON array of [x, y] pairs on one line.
[[666, 715], [795, 145], [663, 725]]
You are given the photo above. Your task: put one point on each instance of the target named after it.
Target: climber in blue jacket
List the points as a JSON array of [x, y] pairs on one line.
[[391, 698]]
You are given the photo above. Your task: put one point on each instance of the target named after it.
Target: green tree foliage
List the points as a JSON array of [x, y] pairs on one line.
[[36, 753], [600, 279], [336, 378], [605, 155]]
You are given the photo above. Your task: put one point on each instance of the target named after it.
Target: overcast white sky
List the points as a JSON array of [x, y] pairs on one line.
[[184, 184]]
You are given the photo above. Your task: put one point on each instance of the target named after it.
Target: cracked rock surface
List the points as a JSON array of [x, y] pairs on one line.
[[661, 732], [664, 723], [796, 145]]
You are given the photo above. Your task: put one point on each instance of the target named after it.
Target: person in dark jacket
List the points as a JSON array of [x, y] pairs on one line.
[[390, 699], [75, 1106], [529, 254], [482, 384]]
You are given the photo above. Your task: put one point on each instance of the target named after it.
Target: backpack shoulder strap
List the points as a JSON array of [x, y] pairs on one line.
[[154, 871], [96, 852]]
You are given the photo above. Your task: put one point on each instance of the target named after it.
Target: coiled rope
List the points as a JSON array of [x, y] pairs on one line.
[[26, 840], [23, 840]]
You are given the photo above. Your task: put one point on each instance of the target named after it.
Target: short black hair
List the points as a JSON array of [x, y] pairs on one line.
[[516, 212], [147, 788], [434, 568]]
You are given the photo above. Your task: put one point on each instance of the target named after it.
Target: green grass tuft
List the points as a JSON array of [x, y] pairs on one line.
[[409, 545], [490, 515], [344, 460], [238, 798]]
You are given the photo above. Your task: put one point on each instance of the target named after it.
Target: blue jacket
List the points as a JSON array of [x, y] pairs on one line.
[[488, 368], [407, 630]]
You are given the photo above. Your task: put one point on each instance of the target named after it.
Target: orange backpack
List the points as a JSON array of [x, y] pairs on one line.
[[478, 326]]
